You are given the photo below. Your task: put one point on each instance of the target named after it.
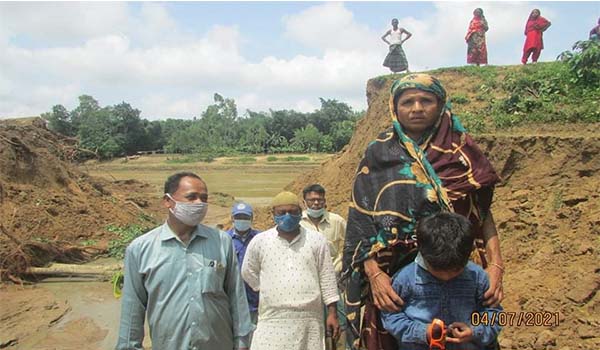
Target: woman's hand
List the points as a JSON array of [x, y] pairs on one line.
[[384, 296], [494, 295]]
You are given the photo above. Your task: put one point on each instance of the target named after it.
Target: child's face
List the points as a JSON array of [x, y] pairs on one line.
[[444, 275]]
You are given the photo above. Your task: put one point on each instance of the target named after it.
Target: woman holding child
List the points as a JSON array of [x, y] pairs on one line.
[[424, 164]]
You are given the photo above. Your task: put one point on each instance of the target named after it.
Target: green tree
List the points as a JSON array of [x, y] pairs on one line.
[[59, 120], [307, 138], [153, 138], [110, 148], [218, 121], [341, 134], [252, 131], [286, 122], [331, 112], [87, 107], [326, 144], [276, 142], [181, 142], [127, 126], [96, 129]]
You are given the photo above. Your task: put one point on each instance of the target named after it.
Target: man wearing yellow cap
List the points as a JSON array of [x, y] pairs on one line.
[[291, 267]]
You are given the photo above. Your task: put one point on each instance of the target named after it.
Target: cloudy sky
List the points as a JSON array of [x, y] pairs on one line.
[[169, 58]]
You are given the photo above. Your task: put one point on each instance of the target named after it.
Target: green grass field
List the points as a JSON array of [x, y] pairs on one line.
[[250, 178]]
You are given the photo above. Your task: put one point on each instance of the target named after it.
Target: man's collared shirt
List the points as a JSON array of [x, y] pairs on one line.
[[240, 243], [333, 227], [427, 297], [192, 295]]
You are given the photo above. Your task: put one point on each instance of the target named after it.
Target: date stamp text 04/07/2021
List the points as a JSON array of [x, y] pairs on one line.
[[508, 318]]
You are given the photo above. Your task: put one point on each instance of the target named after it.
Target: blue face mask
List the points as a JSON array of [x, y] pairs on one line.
[[287, 222], [242, 225], [315, 213]]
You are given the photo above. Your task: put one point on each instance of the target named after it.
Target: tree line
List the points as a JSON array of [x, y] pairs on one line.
[[118, 130]]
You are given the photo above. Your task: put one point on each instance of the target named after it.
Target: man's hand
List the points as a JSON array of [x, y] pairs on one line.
[[459, 332], [332, 323], [494, 295]]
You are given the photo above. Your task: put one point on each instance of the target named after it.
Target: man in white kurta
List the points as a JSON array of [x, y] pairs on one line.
[[292, 268]]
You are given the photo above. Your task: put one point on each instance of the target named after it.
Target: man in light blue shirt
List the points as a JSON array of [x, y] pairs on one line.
[[184, 277]]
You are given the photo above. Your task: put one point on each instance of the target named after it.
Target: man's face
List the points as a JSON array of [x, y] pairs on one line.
[[190, 190], [291, 209], [242, 217], [315, 200]]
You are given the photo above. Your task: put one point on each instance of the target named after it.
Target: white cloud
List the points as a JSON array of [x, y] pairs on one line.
[[145, 58], [329, 26], [178, 78], [163, 105], [63, 22], [36, 99]]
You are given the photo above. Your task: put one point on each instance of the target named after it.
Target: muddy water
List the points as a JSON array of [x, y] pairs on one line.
[[93, 320], [91, 301]]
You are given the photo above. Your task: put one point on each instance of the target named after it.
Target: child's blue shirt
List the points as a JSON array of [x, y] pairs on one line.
[[426, 297]]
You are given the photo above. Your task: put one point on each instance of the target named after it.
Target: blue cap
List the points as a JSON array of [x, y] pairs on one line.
[[241, 208]]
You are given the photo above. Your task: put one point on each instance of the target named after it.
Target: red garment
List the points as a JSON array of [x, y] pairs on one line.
[[533, 31], [476, 47]]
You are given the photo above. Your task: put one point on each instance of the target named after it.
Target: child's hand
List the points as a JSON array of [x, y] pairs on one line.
[[459, 332]]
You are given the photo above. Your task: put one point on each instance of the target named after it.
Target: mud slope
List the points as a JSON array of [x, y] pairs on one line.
[[547, 210], [44, 198]]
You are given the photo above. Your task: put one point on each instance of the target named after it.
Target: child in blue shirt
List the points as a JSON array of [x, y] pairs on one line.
[[442, 283]]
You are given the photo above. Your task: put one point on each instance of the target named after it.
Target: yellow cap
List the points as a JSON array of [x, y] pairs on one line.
[[285, 198]]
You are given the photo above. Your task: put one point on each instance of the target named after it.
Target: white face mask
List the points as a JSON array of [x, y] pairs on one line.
[[315, 213], [190, 214]]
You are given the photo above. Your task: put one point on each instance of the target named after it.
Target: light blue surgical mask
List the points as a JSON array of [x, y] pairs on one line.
[[315, 213], [287, 222], [242, 225]]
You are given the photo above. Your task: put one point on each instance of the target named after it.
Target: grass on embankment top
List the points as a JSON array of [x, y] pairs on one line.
[[492, 98]]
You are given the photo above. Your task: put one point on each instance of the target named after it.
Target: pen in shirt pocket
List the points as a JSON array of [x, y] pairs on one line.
[[216, 264]]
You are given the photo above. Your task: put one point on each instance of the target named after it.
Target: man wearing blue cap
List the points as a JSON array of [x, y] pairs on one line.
[[241, 234]]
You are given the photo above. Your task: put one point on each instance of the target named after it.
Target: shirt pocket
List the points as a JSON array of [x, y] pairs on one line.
[[212, 279]]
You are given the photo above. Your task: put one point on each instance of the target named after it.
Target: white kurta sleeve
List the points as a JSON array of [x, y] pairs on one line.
[[251, 265], [329, 291]]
